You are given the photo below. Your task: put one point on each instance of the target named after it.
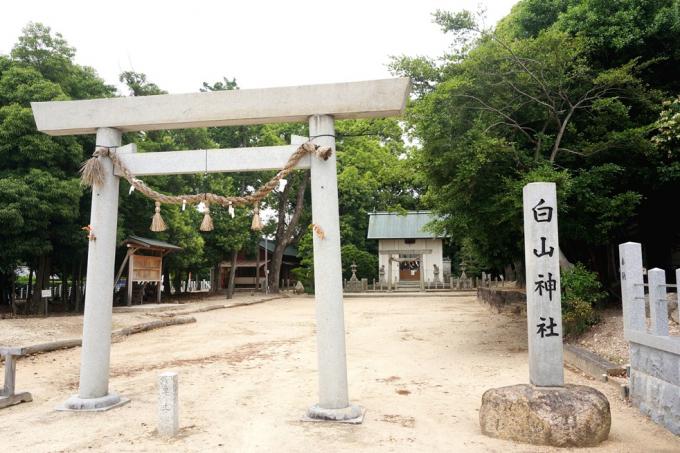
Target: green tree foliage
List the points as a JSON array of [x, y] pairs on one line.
[[565, 91], [375, 173], [40, 196], [367, 263], [201, 250], [581, 294]]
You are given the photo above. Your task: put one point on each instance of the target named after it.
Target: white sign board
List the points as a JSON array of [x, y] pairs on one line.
[[46, 293]]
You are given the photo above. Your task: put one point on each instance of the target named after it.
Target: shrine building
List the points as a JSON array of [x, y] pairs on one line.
[[405, 248]]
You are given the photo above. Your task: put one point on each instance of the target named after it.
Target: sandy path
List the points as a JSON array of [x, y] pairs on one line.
[[247, 374], [35, 330]]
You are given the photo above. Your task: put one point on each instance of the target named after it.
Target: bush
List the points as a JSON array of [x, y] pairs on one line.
[[305, 272], [581, 293], [367, 263]]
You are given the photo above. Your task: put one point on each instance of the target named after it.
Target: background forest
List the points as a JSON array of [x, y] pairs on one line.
[[582, 93]]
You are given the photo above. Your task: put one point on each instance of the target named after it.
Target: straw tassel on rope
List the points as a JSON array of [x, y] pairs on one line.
[[257, 222], [157, 222], [92, 170], [207, 223]]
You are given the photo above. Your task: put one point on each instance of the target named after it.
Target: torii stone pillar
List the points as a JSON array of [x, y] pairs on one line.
[[330, 319], [93, 392]]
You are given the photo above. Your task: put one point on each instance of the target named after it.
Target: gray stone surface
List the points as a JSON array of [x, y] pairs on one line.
[[351, 413], [632, 291], [590, 363], [655, 362], [104, 403], [363, 99], [569, 416], [541, 260], [502, 300], [656, 398], [10, 400], [168, 404], [655, 385]]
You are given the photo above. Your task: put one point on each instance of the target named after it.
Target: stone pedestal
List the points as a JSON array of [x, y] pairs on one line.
[[569, 416], [351, 414], [101, 404]]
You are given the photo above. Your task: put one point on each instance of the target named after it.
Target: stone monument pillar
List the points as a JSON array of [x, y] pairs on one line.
[[546, 412]]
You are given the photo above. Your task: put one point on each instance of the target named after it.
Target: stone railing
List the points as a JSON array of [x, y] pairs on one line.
[[654, 353]]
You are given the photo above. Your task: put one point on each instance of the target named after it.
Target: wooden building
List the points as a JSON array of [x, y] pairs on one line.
[[250, 270], [144, 260]]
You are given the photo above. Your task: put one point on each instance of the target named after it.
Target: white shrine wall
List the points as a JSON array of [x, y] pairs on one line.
[[432, 250]]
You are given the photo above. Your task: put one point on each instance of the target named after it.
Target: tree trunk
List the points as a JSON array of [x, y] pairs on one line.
[[4, 287], [74, 284], [284, 233], [257, 269], [4, 297], [178, 282], [166, 282], [42, 276], [29, 290], [215, 280], [79, 284], [232, 275], [519, 273], [12, 294], [275, 269]]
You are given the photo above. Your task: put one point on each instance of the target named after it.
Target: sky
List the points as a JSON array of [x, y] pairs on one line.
[[180, 44]]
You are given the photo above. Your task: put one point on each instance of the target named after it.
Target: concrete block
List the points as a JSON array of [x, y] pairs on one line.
[[655, 362], [591, 364], [657, 399]]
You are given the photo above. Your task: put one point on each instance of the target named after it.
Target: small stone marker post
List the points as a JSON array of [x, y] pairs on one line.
[[544, 302], [168, 404]]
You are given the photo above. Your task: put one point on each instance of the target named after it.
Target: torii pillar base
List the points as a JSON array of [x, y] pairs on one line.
[[104, 403], [352, 414]]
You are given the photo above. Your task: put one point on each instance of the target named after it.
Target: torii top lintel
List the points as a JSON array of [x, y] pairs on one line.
[[365, 99]]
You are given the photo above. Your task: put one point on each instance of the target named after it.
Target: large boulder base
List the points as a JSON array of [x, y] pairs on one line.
[[569, 416]]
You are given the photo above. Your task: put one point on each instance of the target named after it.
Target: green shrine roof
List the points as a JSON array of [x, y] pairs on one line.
[[390, 225]]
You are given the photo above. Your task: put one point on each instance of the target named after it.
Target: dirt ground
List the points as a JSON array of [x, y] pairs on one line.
[[606, 337], [247, 374], [25, 331]]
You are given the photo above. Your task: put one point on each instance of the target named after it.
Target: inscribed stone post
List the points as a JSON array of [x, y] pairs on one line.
[[544, 315], [168, 404]]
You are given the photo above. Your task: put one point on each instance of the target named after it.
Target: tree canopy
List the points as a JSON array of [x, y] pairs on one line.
[[580, 92], [565, 91]]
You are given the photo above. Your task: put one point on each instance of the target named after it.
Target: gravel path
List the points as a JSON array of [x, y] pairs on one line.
[[247, 374]]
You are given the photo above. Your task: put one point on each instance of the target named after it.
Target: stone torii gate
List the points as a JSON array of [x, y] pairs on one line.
[[320, 105]]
